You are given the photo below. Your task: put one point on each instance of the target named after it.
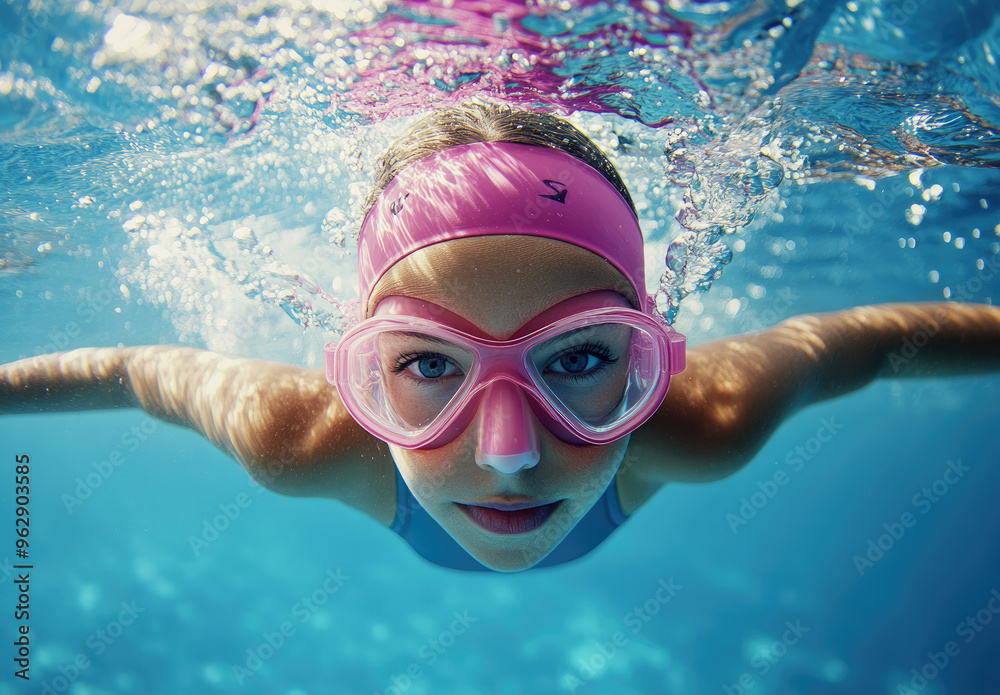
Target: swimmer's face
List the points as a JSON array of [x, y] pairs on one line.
[[499, 284]]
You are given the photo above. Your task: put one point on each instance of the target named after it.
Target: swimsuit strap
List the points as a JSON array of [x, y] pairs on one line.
[[404, 506]]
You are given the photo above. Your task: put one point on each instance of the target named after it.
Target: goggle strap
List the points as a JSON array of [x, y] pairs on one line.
[[676, 352]]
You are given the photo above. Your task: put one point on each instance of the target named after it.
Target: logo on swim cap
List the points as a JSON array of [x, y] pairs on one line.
[[485, 188], [397, 205], [560, 193]]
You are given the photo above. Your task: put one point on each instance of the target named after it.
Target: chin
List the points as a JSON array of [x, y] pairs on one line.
[[510, 561]]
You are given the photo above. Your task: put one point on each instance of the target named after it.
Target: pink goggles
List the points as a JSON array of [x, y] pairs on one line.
[[415, 375]]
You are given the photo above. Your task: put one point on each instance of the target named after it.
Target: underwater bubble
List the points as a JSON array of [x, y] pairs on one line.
[[245, 236]]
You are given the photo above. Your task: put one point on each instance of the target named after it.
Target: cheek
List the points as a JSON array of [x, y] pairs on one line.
[[429, 472], [590, 467], [450, 472]]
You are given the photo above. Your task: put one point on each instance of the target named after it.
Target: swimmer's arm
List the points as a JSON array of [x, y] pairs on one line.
[[736, 391], [85, 379], [286, 425]]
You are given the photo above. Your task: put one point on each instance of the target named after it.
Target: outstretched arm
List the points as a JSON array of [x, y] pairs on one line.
[[286, 425], [736, 391]]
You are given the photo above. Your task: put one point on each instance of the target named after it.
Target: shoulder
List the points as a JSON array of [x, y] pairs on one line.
[[308, 445], [704, 431], [722, 408], [363, 482]]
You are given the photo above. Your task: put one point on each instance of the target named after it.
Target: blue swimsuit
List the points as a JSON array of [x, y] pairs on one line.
[[414, 525]]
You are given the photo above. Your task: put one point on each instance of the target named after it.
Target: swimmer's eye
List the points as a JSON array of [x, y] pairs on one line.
[[581, 361], [426, 366]]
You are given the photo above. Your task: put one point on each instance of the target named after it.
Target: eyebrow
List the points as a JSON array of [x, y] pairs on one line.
[[420, 336], [569, 334], [447, 343]]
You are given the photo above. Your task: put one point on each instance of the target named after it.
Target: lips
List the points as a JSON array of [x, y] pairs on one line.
[[509, 518]]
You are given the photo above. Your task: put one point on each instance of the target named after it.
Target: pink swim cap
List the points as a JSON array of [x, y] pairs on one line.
[[491, 188]]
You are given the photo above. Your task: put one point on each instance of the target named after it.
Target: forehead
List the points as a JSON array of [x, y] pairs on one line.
[[499, 283]]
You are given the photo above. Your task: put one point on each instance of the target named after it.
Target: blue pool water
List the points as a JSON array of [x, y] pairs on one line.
[[137, 139]]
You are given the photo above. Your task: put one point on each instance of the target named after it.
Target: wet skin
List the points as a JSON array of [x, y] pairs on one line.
[[289, 429], [486, 282]]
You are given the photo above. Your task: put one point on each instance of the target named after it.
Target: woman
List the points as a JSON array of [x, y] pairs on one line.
[[503, 399]]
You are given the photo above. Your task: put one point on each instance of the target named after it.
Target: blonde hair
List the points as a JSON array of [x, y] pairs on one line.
[[470, 123]]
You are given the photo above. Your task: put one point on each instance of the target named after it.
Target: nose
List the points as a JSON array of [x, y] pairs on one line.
[[507, 439]]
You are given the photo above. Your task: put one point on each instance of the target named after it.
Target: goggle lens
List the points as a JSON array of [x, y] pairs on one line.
[[597, 375], [406, 379]]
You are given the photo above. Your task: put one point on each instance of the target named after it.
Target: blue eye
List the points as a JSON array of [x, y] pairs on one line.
[[581, 361], [576, 362], [431, 367], [427, 366]]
